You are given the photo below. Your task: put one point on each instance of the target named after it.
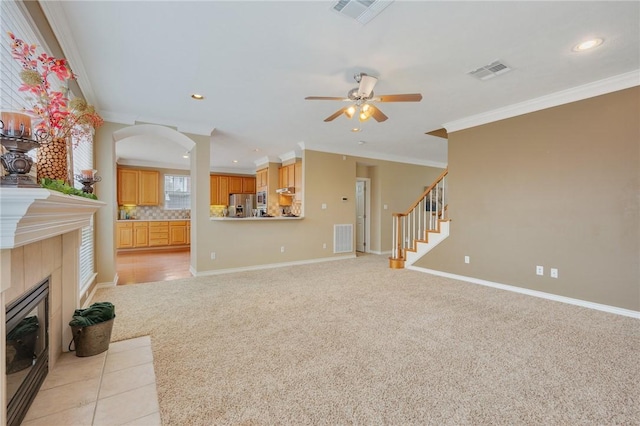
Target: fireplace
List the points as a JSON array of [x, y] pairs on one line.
[[26, 350]]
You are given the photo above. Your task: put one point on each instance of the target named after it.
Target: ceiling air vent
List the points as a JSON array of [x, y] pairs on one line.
[[489, 71], [362, 11]]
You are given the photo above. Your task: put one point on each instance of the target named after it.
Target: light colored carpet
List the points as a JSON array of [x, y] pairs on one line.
[[354, 342]]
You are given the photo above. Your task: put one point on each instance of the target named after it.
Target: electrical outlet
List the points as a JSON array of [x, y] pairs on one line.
[[282, 249], [324, 245], [554, 272], [324, 206], [213, 255], [467, 259], [539, 270], [385, 207]]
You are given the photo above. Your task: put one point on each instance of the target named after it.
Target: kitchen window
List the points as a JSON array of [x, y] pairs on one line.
[[177, 192]]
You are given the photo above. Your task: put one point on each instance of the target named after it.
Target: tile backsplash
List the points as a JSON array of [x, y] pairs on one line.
[[154, 213]]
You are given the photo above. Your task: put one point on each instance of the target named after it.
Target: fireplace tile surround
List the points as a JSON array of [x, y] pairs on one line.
[[40, 235]]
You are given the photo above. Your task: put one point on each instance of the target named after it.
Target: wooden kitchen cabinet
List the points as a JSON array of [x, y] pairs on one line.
[[214, 189], [140, 234], [262, 179], [138, 187], [223, 185], [219, 191], [124, 235], [178, 233], [127, 186], [287, 176], [235, 184], [149, 188], [248, 185], [158, 233]]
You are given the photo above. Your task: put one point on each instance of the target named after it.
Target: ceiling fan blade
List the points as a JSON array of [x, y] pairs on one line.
[[377, 114], [407, 97], [367, 84], [325, 98], [335, 114]]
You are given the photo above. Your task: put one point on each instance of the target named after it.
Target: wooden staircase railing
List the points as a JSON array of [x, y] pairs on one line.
[[423, 216]]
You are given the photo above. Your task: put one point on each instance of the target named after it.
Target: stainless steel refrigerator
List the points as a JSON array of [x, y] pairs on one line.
[[243, 203]]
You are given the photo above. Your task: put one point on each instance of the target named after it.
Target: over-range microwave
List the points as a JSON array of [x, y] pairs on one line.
[[261, 199]]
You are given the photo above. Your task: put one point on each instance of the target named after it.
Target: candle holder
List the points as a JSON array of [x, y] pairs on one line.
[[16, 162], [16, 137], [87, 182]]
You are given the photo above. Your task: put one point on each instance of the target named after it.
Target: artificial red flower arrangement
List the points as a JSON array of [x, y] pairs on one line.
[[61, 116]]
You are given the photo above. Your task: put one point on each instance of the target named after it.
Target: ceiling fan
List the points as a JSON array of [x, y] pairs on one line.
[[362, 98]]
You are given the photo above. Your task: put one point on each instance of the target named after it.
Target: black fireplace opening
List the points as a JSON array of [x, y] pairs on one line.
[[27, 350]]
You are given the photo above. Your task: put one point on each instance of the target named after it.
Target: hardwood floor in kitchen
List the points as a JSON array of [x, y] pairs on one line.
[[134, 267]]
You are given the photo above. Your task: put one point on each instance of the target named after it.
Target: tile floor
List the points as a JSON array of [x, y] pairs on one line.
[[116, 387]]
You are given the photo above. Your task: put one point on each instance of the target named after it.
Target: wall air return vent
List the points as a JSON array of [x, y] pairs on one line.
[[489, 71], [343, 238], [362, 11]]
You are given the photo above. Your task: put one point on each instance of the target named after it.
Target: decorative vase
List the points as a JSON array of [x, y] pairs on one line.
[[53, 160]]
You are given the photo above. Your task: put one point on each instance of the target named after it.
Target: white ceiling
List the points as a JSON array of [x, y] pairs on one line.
[[255, 61]]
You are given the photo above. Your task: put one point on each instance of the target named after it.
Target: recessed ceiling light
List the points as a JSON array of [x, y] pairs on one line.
[[256, 150], [355, 129], [185, 156], [589, 44], [361, 142], [235, 161], [197, 96]]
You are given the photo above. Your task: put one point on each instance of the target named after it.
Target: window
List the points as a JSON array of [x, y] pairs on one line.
[[177, 192]]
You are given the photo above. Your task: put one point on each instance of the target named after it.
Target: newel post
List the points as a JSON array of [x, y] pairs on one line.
[[396, 261]]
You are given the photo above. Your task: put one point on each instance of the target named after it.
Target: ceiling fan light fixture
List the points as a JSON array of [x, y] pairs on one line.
[[350, 111]]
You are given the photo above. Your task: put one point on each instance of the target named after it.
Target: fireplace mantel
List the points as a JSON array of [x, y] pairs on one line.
[[33, 214]]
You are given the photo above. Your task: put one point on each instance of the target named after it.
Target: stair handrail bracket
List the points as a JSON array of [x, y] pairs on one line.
[[423, 217]]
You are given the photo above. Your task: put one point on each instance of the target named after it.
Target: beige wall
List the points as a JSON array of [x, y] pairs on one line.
[[327, 178], [557, 188], [396, 185]]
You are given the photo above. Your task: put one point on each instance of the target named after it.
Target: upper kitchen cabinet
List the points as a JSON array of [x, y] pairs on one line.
[[235, 185], [138, 187], [224, 185], [287, 176], [248, 185], [262, 179]]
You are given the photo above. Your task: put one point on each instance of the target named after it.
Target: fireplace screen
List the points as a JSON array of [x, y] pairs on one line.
[[27, 356]]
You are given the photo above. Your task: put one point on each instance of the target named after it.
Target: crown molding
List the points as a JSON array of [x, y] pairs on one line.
[[54, 13], [590, 90], [291, 155], [266, 160], [356, 152]]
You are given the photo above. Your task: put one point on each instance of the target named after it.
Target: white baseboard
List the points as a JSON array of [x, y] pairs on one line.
[[535, 293], [268, 266], [381, 253]]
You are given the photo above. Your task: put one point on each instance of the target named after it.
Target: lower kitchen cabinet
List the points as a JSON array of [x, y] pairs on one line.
[[143, 233], [158, 234], [140, 234], [177, 233], [124, 235]]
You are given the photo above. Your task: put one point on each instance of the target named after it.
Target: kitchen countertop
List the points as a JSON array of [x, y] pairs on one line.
[[259, 218], [152, 220]]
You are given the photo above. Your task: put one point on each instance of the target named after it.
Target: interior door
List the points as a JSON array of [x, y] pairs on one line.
[[360, 216]]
